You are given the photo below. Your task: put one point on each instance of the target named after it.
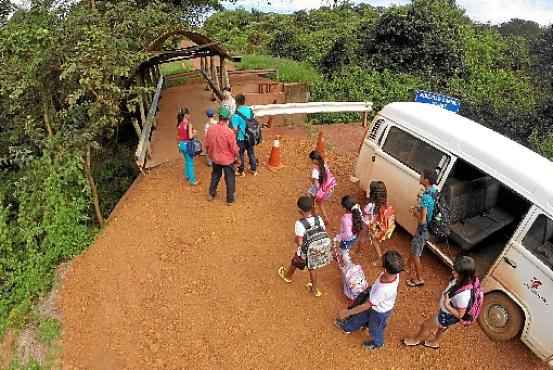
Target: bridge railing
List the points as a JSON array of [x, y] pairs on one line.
[[145, 136]]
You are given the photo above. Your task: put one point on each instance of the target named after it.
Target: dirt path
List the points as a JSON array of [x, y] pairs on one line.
[[174, 282]]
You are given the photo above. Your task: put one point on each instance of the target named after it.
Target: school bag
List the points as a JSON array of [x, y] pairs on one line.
[[353, 277], [327, 187], [317, 245], [194, 147], [439, 224], [253, 132], [475, 303]]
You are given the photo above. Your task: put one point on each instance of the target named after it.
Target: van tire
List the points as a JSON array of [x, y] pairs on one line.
[[500, 317]]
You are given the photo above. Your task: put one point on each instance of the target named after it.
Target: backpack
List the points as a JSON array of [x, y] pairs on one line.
[[253, 132], [327, 187], [353, 277], [439, 225], [475, 303], [194, 147], [317, 246]]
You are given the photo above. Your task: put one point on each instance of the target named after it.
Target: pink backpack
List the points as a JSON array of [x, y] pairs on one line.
[[327, 187], [475, 303]]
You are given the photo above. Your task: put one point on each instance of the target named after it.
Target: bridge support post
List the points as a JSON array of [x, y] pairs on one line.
[[222, 72], [214, 78]]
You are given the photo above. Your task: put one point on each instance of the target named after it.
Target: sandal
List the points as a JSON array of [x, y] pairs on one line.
[[406, 342], [428, 345], [317, 293], [282, 273], [412, 283]]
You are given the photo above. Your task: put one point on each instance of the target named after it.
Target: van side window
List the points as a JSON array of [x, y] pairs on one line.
[[539, 240], [413, 152]]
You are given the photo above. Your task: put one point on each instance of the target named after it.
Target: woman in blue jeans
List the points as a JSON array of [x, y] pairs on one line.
[[185, 133]]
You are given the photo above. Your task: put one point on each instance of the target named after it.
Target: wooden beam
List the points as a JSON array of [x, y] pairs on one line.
[[144, 143], [211, 85], [221, 72], [214, 78]]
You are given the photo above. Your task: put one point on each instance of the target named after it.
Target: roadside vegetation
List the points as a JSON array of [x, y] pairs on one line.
[[502, 74]]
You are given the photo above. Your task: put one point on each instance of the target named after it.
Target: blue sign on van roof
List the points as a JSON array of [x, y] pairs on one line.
[[444, 101]]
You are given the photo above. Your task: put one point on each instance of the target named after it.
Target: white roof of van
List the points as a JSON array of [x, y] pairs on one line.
[[518, 167]]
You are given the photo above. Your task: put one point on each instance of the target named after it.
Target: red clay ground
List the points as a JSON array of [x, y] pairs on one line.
[[176, 282]]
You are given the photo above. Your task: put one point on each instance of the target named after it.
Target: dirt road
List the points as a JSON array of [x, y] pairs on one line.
[[175, 282]]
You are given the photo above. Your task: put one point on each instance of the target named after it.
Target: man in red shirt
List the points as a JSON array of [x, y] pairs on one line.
[[222, 150]]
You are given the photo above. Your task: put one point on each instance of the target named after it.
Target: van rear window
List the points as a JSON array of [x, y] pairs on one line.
[[539, 240], [413, 152]]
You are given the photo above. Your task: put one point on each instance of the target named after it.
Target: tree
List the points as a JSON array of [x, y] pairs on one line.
[[529, 30], [425, 37]]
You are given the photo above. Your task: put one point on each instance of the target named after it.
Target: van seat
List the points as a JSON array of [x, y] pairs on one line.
[[473, 212]]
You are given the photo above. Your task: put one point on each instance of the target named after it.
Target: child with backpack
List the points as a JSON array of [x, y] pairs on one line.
[[379, 217], [239, 123], [459, 302], [313, 246], [374, 306], [323, 182]]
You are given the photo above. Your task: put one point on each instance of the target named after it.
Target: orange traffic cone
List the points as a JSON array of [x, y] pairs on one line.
[[274, 160], [320, 147]]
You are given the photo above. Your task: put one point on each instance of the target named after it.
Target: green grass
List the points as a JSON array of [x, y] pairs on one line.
[[48, 330], [173, 68], [287, 70]]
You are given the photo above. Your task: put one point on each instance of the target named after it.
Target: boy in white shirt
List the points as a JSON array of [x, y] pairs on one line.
[[304, 227], [374, 307]]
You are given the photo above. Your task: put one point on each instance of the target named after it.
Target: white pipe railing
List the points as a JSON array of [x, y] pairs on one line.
[[314, 107]]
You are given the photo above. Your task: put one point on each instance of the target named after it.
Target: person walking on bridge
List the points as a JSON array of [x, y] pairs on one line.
[[185, 133], [222, 150]]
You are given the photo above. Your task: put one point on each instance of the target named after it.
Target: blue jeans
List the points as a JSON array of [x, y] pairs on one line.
[[246, 147], [189, 172], [375, 321]]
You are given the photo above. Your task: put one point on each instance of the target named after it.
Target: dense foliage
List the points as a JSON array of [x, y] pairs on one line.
[[68, 90], [503, 74]]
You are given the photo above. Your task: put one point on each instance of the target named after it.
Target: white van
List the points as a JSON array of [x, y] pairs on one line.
[[500, 198]]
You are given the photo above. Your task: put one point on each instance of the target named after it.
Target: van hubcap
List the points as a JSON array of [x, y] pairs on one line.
[[498, 316]]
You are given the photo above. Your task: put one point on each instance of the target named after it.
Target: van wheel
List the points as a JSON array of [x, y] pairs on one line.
[[501, 318]]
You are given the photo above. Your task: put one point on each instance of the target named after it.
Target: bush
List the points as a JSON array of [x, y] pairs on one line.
[[48, 330], [174, 68], [357, 84], [287, 70], [51, 225]]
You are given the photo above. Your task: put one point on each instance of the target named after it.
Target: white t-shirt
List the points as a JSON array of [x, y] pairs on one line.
[[299, 229], [315, 173], [383, 295], [459, 301]]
